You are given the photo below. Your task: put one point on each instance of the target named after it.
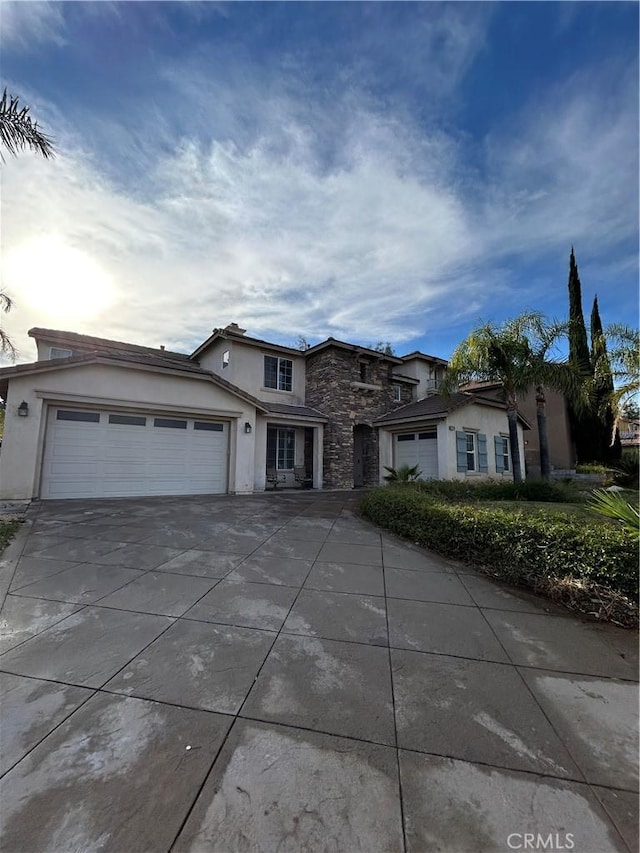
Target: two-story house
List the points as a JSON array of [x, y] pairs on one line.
[[93, 417]]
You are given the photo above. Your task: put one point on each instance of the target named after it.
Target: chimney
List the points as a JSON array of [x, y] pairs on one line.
[[162, 347], [235, 329]]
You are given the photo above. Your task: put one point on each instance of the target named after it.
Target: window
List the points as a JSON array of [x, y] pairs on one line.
[[129, 420], [55, 352], [472, 456], [169, 423], [471, 451], [502, 453], [88, 417], [397, 393], [281, 447], [210, 426], [407, 437], [278, 373], [226, 358], [364, 371]]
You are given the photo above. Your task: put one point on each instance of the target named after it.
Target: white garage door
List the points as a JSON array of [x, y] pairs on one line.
[[421, 449], [110, 454]]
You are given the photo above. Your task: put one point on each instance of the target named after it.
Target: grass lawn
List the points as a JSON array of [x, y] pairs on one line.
[[541, 508]]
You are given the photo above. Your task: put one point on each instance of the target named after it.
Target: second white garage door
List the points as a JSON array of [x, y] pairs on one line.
[[110, 454], [418, 448]]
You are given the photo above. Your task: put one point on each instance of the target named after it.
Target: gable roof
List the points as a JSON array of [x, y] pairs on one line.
[[436, 407], [119, 353], [110, 348], [231, 335], [424, 357], [355, 348]]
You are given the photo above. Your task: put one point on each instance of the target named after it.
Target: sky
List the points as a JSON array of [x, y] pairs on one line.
[[372, 171]]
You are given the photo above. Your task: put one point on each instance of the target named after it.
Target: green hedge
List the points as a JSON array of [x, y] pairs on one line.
[[520, 548], [530, 490]]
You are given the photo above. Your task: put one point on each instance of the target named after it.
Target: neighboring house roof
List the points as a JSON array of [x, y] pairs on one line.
[[332, 342], [296, 411], [436, 407], [423, 355]]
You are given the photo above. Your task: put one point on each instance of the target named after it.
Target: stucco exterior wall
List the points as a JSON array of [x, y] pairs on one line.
[[481, 419], [246, 370], [107, 386], [426, 373]]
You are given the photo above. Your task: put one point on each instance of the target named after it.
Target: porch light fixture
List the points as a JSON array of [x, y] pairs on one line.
[[247, 427], [23, 409]]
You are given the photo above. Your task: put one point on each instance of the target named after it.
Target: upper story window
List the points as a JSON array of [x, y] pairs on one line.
[[278, 373], [226, 358], [397, 393], [364, 371], [57, 352]]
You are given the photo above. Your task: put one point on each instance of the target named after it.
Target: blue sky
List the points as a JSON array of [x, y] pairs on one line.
[[371, 171]]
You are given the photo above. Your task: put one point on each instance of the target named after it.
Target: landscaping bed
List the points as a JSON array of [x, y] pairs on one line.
[[589, 565], [8, 531]]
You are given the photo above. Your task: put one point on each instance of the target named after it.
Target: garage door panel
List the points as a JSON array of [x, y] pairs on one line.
[[96, 454], [419, 449]]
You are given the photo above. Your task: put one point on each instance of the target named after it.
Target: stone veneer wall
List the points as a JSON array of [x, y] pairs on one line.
[[329, 377]]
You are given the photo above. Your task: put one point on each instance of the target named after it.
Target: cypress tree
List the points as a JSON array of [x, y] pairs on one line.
[[585, 426], [578, 346], [609, 450]]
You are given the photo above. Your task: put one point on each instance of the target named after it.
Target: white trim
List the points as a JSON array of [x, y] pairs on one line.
[[54, 397]]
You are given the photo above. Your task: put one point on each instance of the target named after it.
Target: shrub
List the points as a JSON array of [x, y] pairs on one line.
[[523, 549], [487, 490], [625, 473], [592, 468], [403, 474]]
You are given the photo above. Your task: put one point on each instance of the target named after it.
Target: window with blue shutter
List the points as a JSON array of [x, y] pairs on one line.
[[483, 455]]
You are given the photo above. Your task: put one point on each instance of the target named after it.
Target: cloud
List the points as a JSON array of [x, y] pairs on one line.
[[295, 210], [24, 24]]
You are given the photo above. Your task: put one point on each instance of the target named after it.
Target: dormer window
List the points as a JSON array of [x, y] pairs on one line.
[[57, 352], [278, 373], [226, 358]]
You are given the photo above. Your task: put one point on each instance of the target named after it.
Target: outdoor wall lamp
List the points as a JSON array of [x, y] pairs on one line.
[[23, 409], [247, 427]]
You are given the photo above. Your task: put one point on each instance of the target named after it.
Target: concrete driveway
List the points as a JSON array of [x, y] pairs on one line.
[[270, 673]]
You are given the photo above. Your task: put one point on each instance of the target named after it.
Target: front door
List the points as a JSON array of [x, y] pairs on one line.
[[358, 456]]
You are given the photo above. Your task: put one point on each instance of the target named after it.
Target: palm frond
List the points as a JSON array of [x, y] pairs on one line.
[[613, 505], [18, 130]]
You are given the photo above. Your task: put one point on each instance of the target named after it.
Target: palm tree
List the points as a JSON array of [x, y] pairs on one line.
[[18, 130], [515, 354], [546, 371], [6, 344], [621, 344]]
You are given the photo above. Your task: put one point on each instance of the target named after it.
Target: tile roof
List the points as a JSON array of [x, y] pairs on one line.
[[438, 406], [295, 411], [106, 347], [427, 407]]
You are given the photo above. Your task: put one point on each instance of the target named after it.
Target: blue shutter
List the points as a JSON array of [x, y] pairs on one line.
[[461, 450], [483, 456], [497, 440]]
